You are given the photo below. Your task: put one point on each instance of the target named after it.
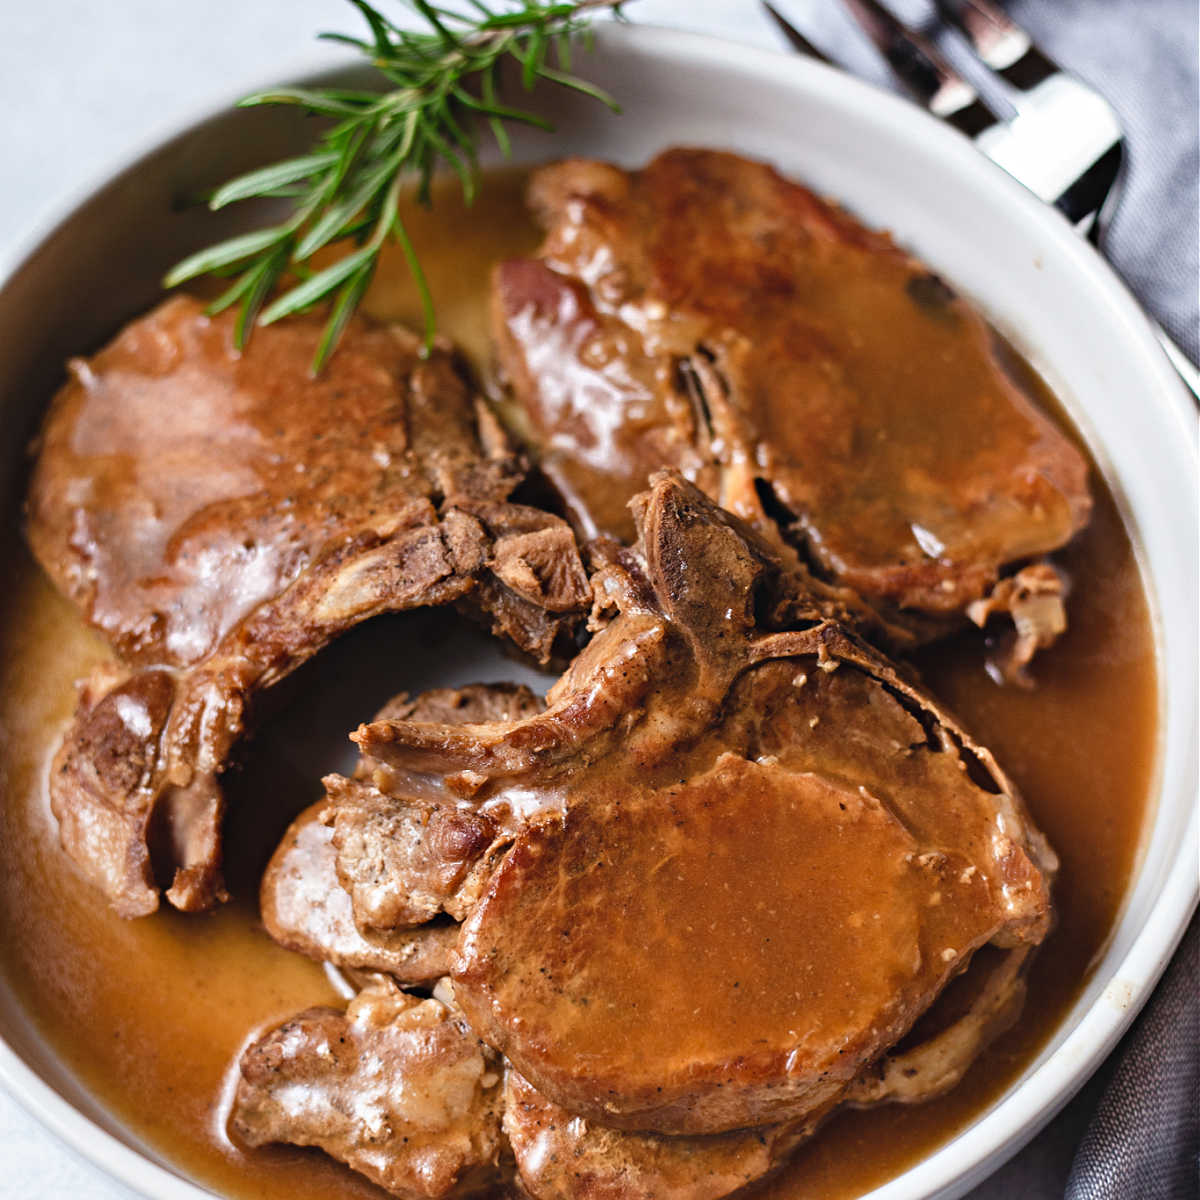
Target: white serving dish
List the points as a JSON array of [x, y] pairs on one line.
[[895, 167]]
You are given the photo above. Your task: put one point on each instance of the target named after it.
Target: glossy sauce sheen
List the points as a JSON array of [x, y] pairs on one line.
[[151, 1013]]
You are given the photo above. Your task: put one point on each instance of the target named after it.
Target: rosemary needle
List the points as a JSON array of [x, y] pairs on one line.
[[441, 84]]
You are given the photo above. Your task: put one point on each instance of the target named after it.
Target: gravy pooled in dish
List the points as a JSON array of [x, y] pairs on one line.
[[695, 919]]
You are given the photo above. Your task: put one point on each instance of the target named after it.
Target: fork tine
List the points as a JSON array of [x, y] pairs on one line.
[[923, 69], [1000, 42], [793, 35]]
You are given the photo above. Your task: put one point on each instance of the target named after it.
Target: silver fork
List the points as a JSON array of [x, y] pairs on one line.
[[1064, 141]]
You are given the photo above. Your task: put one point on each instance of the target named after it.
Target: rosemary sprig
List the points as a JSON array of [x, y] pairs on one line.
[[347, 188]]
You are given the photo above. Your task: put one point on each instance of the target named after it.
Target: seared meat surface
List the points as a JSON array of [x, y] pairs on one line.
[[219, 517], [396, 1086], [686, 830], [305, 906], [706, 314]]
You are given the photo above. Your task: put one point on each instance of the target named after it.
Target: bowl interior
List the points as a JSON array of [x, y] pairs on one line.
[[895, 168]]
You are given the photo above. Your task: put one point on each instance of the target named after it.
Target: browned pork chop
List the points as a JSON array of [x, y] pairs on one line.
[[680, 936], [304, 905], [220, 517], [397, 1087], [705, 313]]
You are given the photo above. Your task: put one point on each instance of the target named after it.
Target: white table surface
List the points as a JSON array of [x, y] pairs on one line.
[[83, 84]]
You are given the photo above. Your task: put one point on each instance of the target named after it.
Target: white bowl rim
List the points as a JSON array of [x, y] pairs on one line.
[[1004, 1128]]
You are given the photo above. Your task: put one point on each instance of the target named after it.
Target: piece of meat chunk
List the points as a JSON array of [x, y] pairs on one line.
[[305, 908], [397, 1087], [403, 860], [688, 822], [219, 517], [706, 314], [304, 904], [560, 1156], [1035, 599]]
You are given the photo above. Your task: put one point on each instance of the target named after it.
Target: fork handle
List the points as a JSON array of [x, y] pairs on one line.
[[1180, 361]]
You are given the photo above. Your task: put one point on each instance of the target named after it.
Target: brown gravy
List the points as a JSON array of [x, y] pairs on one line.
[[151, 1013]]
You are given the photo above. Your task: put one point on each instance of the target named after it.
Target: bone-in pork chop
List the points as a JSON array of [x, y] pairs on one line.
[[705, 313], [221, 516], [742, 860]]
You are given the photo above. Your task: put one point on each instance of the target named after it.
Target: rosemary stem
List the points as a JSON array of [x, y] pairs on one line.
[[347, 188]]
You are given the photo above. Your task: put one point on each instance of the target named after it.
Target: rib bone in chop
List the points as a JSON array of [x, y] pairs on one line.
[[220, 517], [707, 314], [732, 863]]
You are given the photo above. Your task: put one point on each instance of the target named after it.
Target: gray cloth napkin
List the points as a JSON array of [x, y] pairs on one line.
[[1131, 1133]]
